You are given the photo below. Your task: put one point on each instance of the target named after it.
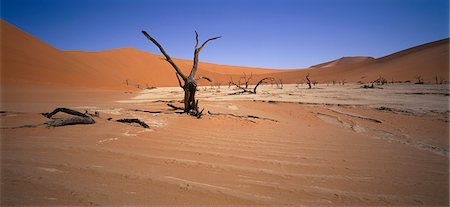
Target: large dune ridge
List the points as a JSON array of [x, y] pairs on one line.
[[28, 60]]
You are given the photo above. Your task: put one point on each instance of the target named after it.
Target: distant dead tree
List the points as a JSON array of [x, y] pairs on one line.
[[149, 87], [189, 84], [230, 83], [381, 80], [343, 82], [372, 84], [249, 91], [314, 82], [217, 84], [439, 80], [126, 81], [245, 79], [419, 80], [308, 81], [279, 83], [334, 82]]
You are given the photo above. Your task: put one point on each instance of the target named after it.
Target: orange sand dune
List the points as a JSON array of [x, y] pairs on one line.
[[428, 60], [26, 59]]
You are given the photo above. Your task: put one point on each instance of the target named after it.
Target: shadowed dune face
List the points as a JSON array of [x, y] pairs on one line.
[[26, 59]]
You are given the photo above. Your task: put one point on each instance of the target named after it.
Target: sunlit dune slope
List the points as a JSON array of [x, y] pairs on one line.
[[343, 61]]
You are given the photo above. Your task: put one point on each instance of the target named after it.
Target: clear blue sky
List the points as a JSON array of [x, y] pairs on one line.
[[264, 33]]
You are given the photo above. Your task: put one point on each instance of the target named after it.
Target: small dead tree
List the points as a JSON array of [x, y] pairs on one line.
[[230, 83], [246, 80], [189, 84], [381, 80], [308, 81], [314, 82], [249, 91], [419, 79], [218, 84], [280, 81]]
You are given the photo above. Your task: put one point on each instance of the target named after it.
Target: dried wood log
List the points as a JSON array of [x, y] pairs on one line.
[[77, 118], [64, 110], [143, 124], [74, 120]]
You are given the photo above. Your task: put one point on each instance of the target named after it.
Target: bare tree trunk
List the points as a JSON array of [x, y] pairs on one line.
[[308, 81]]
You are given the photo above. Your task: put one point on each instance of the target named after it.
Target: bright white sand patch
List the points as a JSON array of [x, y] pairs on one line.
[[418, 99], [52, 170], [107, 140]]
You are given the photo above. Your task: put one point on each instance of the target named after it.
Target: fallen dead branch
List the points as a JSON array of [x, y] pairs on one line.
[[355, 115], [239, 116], [77, 118], [197, 114], [146, 111], [143, 124], [175, 107]]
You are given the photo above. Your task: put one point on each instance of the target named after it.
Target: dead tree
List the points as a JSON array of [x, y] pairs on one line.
[[189, 84], [249, 91], [230, 83], [218, 84], [246, 80], [419, 79], [308, 81], [279, 84]]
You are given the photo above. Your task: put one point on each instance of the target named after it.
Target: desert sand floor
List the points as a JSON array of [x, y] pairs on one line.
[[374, 147]]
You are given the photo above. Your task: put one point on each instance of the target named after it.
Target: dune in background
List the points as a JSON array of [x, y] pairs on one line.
[[27, 60]]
